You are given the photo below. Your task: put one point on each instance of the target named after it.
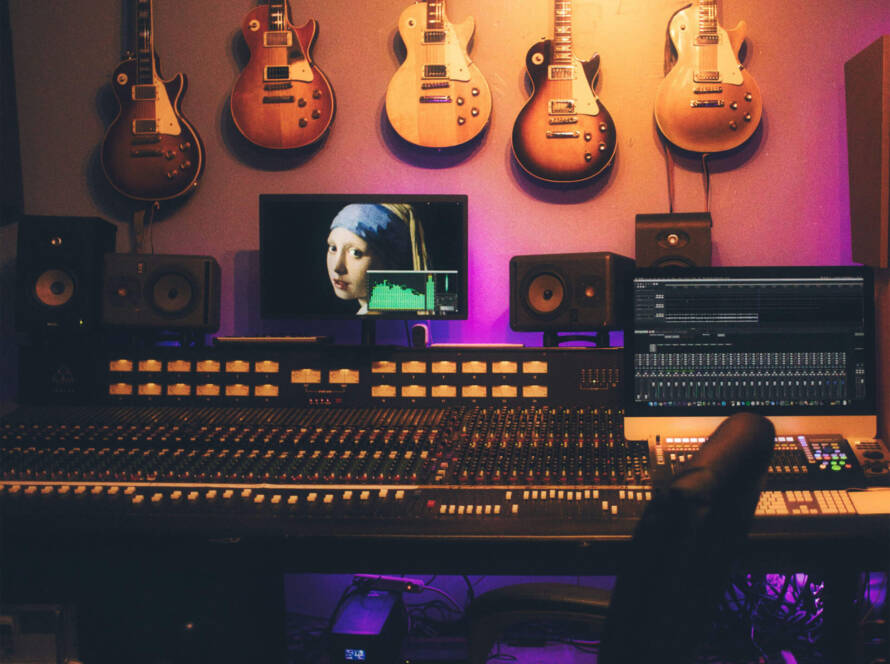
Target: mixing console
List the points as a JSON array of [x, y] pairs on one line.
[[474, 441]]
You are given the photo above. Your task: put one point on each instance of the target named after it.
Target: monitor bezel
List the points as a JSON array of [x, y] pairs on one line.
[[462, 202], [867, 407]]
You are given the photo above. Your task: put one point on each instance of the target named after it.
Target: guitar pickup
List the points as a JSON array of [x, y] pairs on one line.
[[277, 73], [561, 72], [435, 71], [285, 99], [433, 36], [435, 99], [708, 89], [435, 85], [704, 40], [277, 86], [558, 106], [563, 120], [706, 76], [145, 127], [563, 134], [144, 92], [278, 38], [706, 103]]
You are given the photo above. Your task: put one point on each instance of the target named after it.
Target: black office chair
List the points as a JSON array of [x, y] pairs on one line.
[[677, 567]]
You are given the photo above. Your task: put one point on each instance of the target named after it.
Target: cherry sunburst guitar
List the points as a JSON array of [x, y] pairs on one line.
[[708, 102], [150, 151], [281, 100], [438, 98], [563, 133]]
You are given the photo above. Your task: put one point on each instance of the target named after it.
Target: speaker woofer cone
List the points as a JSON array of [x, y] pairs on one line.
[[545, 294], [54, 288], [172, 294]]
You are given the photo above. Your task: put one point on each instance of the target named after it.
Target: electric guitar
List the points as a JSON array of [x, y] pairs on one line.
[[438, 98], [150, 151], [708, 102], [281, 100], [563, 133]]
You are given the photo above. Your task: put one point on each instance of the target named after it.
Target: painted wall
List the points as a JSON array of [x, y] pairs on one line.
[[783, 199]]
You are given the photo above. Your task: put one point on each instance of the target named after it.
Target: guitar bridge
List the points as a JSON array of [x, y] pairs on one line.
[[435, 99], [277, 86], [563, 134], [284, 99], [706, 103], [435, 85], [707, 89], [564, 120]]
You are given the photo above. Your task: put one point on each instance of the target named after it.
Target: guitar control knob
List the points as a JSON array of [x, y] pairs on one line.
[[461, 120], [316, 94], [185, 145], [474, 111], [316, 114], [475, 92], [748, 97], [301, 102], [733, 125], [588, 156], [459, 101], [588, 136], [734, 105], [602, 147], [303, 122], [186, 164], [747, 117], [172, 174]]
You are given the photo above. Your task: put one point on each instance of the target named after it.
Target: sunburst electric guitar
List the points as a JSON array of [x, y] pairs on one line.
[[708, 102], [150, 151], [563, 133], [438, 98], [281, 100]]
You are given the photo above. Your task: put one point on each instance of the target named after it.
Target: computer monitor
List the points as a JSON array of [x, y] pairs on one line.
[[365, 256], [793, 343]]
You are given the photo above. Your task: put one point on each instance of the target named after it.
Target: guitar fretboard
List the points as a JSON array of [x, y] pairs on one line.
[[144, 46], [562, 32], [277, 14], [435, 14], [707, 22]]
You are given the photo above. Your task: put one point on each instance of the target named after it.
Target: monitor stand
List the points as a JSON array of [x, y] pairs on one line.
[[600, 338], [369, 332]]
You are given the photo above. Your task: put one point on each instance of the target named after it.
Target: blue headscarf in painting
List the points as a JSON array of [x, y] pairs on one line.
[[385, 231]]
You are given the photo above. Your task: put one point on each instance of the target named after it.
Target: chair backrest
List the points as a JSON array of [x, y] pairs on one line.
[[684, 548]]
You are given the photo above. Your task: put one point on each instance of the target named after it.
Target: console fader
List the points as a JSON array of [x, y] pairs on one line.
[[461, 441]]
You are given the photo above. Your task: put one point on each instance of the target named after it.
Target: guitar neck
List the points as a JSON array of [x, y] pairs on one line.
[[707, 23], [562, 33], [435, 14], [145, 52], [278, 15]]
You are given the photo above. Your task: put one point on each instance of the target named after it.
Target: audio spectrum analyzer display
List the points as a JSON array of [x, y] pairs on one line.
[[420, 292], [379, 441], [735, 339]]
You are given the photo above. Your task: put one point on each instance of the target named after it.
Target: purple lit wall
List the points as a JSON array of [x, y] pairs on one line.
[[783, 199]]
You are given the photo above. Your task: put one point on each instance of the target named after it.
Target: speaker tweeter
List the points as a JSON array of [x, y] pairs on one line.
[[673, 240]]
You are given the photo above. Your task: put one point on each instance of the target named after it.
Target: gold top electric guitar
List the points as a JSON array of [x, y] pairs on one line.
[[708, 102], [438, 98], [563, 133]]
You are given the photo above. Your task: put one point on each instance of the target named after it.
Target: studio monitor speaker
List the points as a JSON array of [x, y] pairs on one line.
[[59, 272], [161, 291], [673, 240], [569, 292], [867, 80]]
